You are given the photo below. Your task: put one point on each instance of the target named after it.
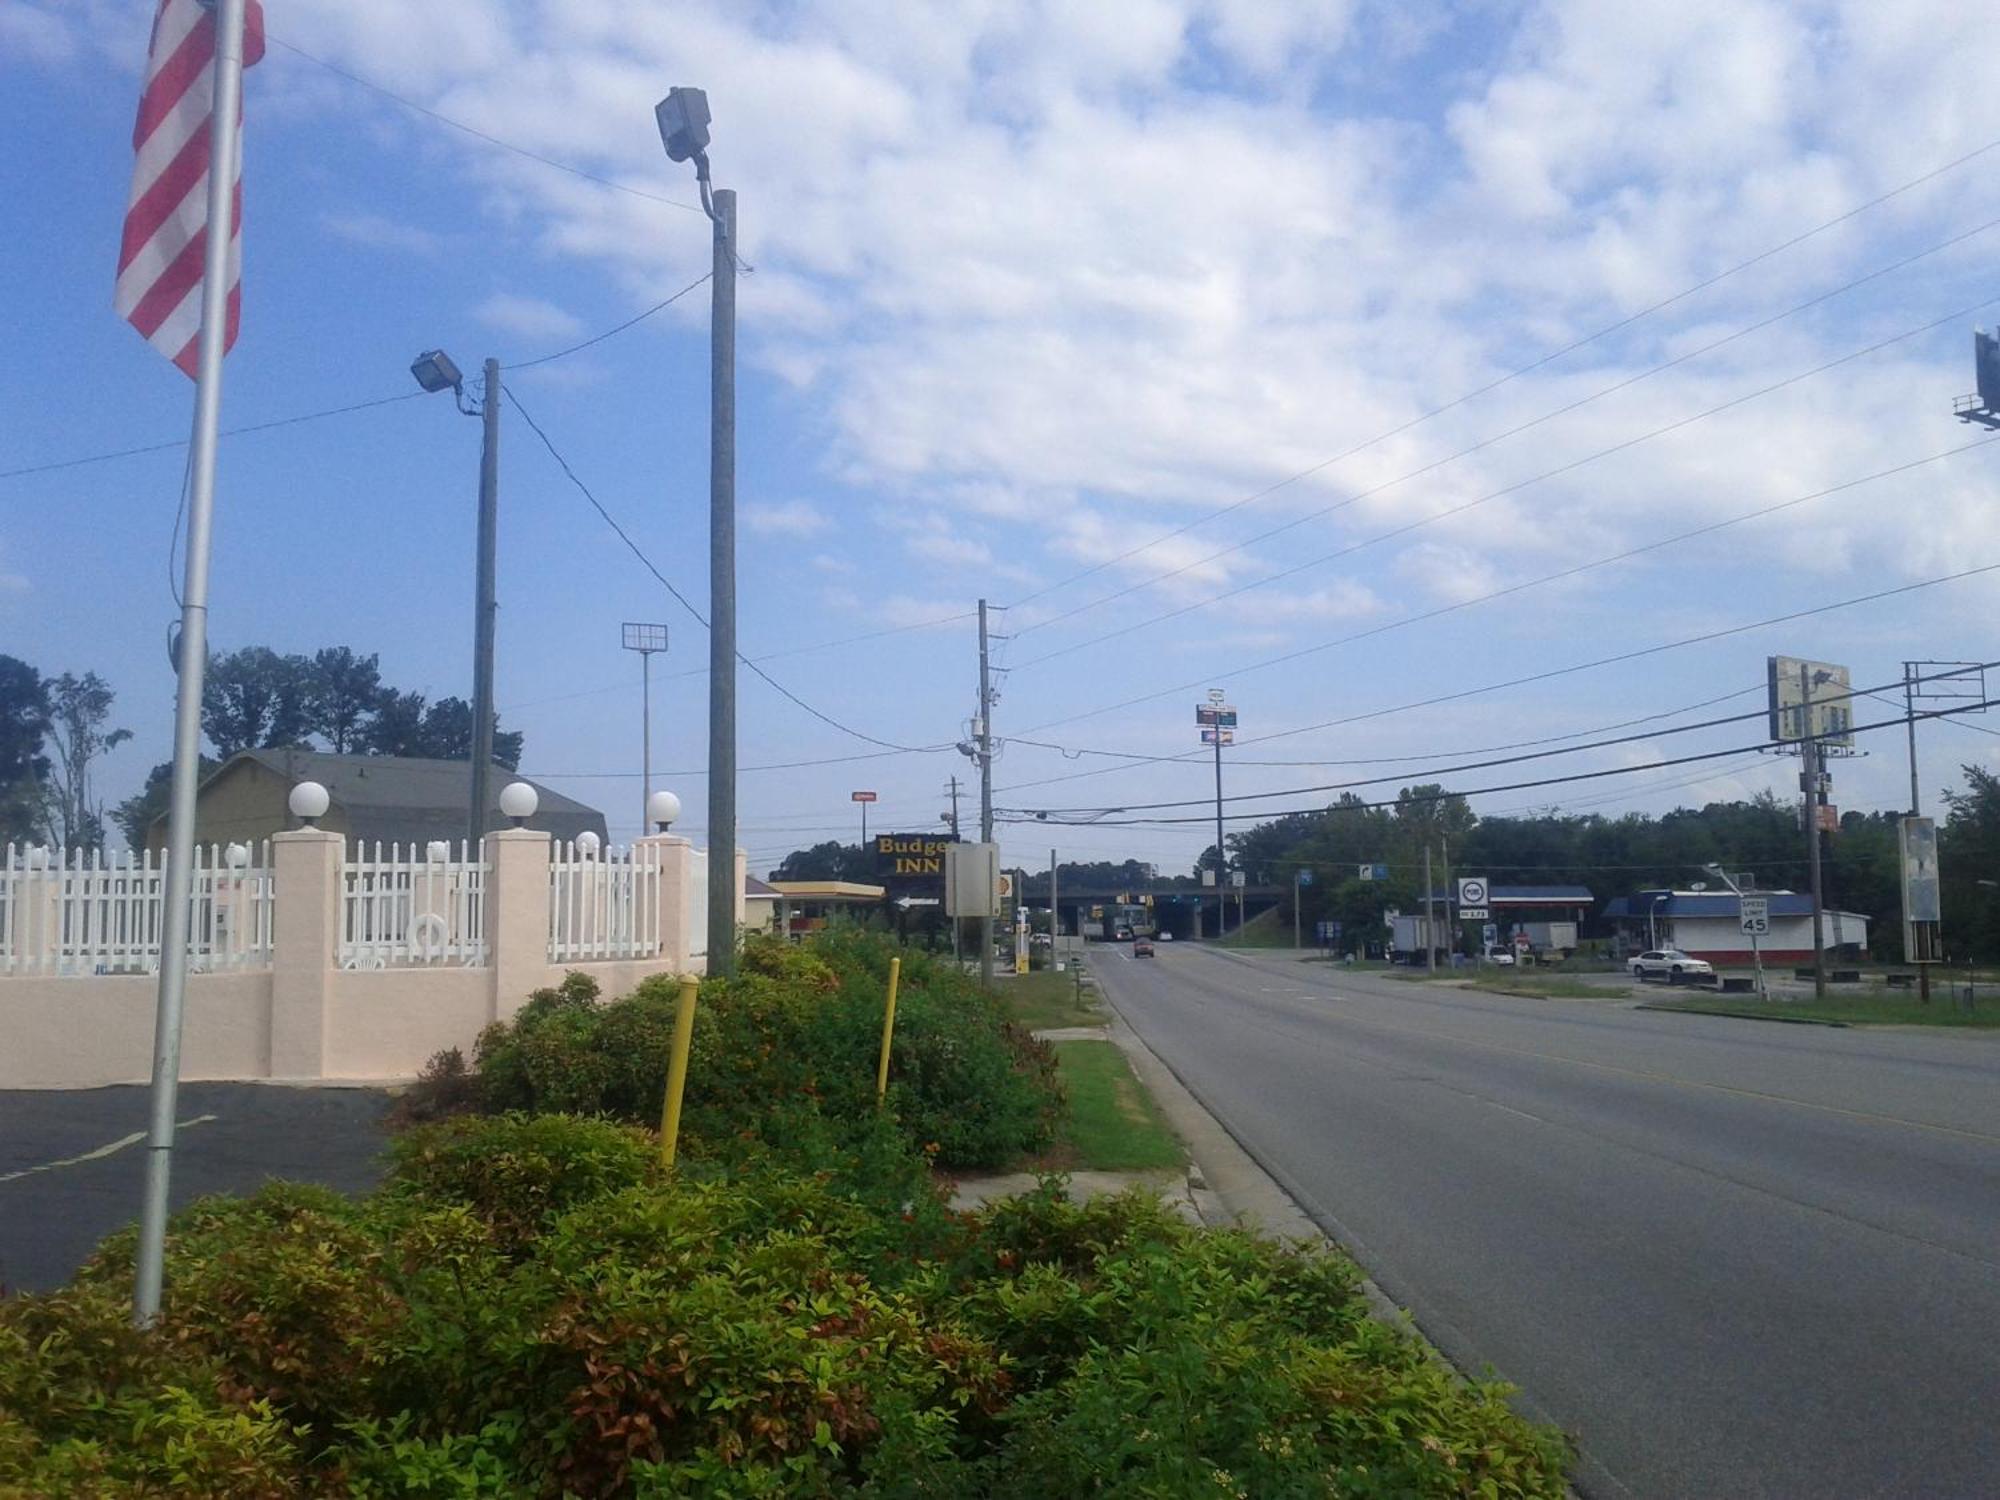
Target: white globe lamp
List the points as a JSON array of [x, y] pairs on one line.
[[587, 844], [437, 851], [309, 802], [236, 856], [518, 801], [662, 808]]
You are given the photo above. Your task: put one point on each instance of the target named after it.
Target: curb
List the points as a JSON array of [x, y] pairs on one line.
[[1745, 1015]]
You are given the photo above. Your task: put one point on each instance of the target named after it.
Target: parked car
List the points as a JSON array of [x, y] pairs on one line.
[[1659, 963], [1499, 955], [1142, 947]]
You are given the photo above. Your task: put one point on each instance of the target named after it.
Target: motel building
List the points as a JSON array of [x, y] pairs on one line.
[[1704, 924]]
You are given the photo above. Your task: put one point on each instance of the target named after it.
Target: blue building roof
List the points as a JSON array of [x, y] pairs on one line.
[[1703, 904]]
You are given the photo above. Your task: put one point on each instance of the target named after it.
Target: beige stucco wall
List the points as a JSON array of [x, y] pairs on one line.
[[86, 1032]]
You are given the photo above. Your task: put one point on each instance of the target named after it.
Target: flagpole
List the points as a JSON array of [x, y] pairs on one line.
[[192, 658]]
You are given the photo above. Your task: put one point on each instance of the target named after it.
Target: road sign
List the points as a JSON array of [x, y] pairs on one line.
[[1488, 934], [1472, 892], [1222, 736], [1755, 916], [1373, 872], [861, 797], [1236, 877], [1305, 877], [1521, 941], [1473, 913]]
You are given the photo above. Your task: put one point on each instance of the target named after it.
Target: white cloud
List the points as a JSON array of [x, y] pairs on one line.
[[529, 317], [379, 233], [789, 518], [34, 34]]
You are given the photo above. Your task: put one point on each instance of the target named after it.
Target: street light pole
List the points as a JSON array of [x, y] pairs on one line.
[[487, 608], [984, 736], [645, 639]]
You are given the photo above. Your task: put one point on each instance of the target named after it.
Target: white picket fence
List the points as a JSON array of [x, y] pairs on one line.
[[72, 912], [603, 903], [412, 908]]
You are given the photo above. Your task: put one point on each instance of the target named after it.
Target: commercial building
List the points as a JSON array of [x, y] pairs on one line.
[[1705, 924]]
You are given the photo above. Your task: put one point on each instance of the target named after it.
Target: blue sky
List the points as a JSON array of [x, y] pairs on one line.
[[1034, 287]]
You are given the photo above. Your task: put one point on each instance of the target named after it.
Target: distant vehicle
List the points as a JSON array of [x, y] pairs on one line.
[[1165, 937], [1142, 947], [1499, 955], [1661, 962], [1121, 934]]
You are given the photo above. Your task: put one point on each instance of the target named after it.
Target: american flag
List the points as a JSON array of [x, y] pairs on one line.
[[166, 220]]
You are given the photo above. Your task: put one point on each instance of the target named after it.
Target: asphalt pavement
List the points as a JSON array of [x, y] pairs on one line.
[[72, 1163], [1731, 1259]]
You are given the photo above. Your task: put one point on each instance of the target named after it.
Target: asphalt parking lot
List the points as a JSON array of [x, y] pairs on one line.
[[72, 1163]]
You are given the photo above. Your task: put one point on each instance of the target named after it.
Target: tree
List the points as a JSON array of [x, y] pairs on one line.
[[255, 699], [24, 725], [398, 725], [831, 860], [135, 815], [344, 691], [447, 734], [1969, 854], [78, 709]]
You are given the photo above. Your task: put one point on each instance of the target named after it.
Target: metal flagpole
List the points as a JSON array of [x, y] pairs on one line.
[[193, 659]]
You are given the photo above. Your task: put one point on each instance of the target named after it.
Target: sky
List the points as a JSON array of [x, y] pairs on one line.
[[1338, 356]]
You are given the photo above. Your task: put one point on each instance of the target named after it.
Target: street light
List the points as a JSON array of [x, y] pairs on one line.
[[662, 808], [308, 802], [683, 119], [645, 639], [436, 371]]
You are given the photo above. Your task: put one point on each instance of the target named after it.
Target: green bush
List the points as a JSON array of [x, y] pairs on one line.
[[798, 1028], [530, 1308]]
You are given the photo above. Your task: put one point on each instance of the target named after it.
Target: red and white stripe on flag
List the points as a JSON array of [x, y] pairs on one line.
[[166, 220]]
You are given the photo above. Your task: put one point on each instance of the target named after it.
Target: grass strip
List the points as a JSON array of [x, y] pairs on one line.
[[1045, 1000], [1113, 1125]]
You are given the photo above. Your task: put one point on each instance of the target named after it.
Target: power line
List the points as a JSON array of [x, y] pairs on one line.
[[637, 318], [1517, 588], [1469, 792], [476, 133], [1514, 488], [1480, 765], [700, 619], [1527, 369]]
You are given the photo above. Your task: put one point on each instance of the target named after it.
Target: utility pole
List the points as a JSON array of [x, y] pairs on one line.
[[954, 806], [645, 639], [1911, 673], [486, 609], [984, 726], [722, 593], [1430, 917], [1055, 921], [1809, 780]]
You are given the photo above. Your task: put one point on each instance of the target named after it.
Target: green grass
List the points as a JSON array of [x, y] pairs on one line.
[[1113, 1124], [1268, 929], [1547, 986], [1044, 1000], [1879, 1009]]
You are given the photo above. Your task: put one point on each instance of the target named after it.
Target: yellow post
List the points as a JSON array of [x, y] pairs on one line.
[[888, 1030], [677, 1069]]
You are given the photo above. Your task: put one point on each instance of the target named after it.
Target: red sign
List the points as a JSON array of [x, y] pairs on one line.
[[861, 796], [1828, 818]]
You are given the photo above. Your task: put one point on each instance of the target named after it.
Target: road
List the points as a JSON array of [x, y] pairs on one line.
[[72, 1163], [1730, 1258]]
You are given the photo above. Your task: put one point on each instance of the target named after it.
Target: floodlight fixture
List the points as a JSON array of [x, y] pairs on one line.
[[683, 119], [435, 372]]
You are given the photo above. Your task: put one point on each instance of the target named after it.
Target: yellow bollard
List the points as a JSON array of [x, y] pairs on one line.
[[888, 1030], [677, 1070]]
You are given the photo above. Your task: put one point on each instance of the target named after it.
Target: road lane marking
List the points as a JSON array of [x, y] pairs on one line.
[[100, 1153]]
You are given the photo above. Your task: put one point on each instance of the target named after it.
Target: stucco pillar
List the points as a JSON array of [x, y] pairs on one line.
[[517, 916], [305, 939], [677, 935]]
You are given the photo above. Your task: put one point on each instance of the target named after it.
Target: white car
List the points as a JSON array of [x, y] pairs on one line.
[[1500, 956], [1661, 963]]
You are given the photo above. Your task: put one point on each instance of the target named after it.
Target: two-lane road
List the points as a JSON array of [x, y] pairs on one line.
[[1732, 1259]]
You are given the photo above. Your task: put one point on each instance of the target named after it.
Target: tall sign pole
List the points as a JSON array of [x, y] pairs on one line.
[[192, 654], [722, 594], [1810, 779]]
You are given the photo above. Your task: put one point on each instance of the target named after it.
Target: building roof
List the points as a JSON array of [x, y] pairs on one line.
[[401, 797], [1709, 904], [756, 890], [826, 890], [1530, 895]]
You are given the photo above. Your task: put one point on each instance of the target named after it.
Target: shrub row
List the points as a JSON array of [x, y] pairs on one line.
[[530, 1308], [797, 1030]]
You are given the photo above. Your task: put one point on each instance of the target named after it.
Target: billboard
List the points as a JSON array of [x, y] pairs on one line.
[[911, 864], [1218, 736], [1810, 700], [1215, 715], [973, 886]]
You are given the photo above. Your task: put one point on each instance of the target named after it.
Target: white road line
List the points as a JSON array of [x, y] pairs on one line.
[[102, 1151]]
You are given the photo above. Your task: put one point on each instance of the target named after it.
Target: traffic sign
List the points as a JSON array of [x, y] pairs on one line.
[[1755, 916], [1472, 891], [1305, 877], [1473, 913]]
